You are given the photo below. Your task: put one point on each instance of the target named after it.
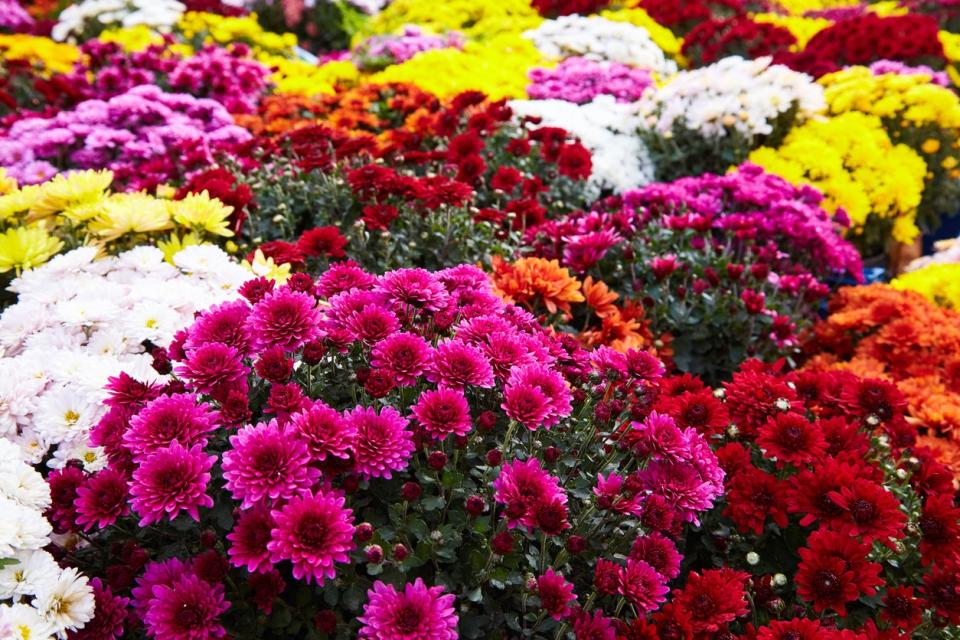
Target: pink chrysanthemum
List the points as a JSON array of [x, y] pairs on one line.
[[101, 499], [458, 364], [169, 481], [313, 532], [267, 462], [110, 612], [404, 356], [383, 444], [188, 609], [550, 383], [680, 484], [525, 404], [416, 288], [178, 417], [643, 586], [596, 627], [506, 351], [659, 552], [325, 431], [372, 324], [611, 494], [416, 613], [249, 539], [343, 276], [284, 318], [556, 594], [212, 368], [224, 323], [521, 486], [442, 412], [155, 574]]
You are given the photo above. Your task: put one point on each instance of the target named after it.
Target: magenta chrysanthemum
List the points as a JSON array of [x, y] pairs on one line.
[[526, 404], [284, 318], [212, 367], [344, 276], [169, 481], [313, 532], [659, 552], [249, 539], [325, 431], [188, 609], [416, 288], [384, 444], [372, 324], [155, 574], [178, 417], [442, 412], [521, 486], [458, 364], [404, 356], [643, 586], [101, 499], [267, 462], [550, 384], [418, 612], [110, 612], [506, 350], [556, 594], [224, 323]]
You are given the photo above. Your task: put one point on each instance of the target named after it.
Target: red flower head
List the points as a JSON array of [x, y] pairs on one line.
[[810, 491], [556, 594], [697, 409], [754, 396], [942, 590], [901, 609], [796, 629], [790, 438], [869, 511], [875, 401], [826, 582], [713, 598], [752, 496], [853, 553], [939, 529], [575, 162], [322, 242]]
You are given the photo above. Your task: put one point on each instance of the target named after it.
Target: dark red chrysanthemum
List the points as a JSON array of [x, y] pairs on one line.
[[790, 438], [869, 511], [752, 496], [939, 529], [810, 491], [853, 553], [796, 629], [698, 409], [713, 598], [322, 242], [941, 587], [901, 608]]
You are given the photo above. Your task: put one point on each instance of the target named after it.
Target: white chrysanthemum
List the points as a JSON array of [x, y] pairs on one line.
[[31, 572], [201, 258], [21, 529], [23, 622], [68, 603], [151, 321], [19, 321], [32, 447], [92, 458], [109, 341], [20, 483], [63, 413], [16, 403]]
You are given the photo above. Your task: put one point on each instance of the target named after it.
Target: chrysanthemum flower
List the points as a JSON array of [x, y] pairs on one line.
[[403, 355], [163, 572], [188, 609], [110, 613], [167, 418], [595, 627], [417, 288], [224, 323], [527, 405], [442, 412], [753, 495], [249, 539], [697, 409], [523, 484], [810, 491], [67, 603], [313, 532], [713, 598], [372, 324], [643, 586], [383, 444], [169, 481], [939, 528], [869, 511], [102, 499], [683, 486], [550, 384], [344, 276], [902, 609], [325, 431], [212, 368], [416, 613], [458, 364], [790, 438], [658, 551], [611, 495], [854, 553], [826, 583], [267, 463], [555, 594], [284, 318], [795, 629]]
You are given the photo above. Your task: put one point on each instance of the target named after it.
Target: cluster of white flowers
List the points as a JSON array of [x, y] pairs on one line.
[[746, 96], [608, 129], [600, 39], [38, 599], [74, 20], [79, 321]]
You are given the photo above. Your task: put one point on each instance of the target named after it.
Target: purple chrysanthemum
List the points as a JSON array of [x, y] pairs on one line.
[[384, 444], [224, 323], [442, 412], [404, 356], [458, 364], [417, 288], [188, 609], [659, 552], [313, 532], [155, 574], [284, 318], [161, 421], [249, 539], [325, 431], [551, 385], [418, 612], [521, 486], [212, 368], [169, 481]]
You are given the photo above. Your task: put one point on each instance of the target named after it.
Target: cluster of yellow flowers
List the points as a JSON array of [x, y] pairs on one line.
[[476, 20], [852, 161], [951, 49], [79, 208], [50, 56], [939, 283], [799, 7]]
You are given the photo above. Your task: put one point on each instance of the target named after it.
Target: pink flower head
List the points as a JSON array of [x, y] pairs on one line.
[[110, 612], [458, 364], [506, 351], [325, 431], [417, 288], [659, 552], [101, 499], [313, 532], [384, 444], [643, 586], [663, 266], [556, 594], [169, 481], [267, 462], [525, 404], [155, 574], [344, 276], [224, 323], [284, 318], [442, 412], [681, 485], [403, 355], [416, 613], [161, 421], [611, 494], [212, 368], [188, 609], [658, 435], [249, 539], [372, 324], [550, 384], [596, 627], [521, 486]]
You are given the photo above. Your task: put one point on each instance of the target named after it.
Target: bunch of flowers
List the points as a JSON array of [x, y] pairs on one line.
[[78, 322], [743, 256], [14, 18], [619, 160], [738, 36], [554, 8], [380, 51], [937, 282], [123, 133], [864, 39], [580, 80], [319, 25], [597, 38], [800, 26], [86, 19], [881, 67], [392, 456], [945, 12], [852, 161], [27, 64], [38, 598], [476, 20], [880, 331], [916, 112], [683, 15], [710, 118], [662, 36]]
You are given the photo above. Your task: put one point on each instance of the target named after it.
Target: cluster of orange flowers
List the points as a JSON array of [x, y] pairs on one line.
[[545, 288], [877, 331]]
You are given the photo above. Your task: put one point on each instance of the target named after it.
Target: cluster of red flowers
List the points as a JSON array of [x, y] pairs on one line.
[[554, 8], [866, 38], [737, 36], [683, 15]]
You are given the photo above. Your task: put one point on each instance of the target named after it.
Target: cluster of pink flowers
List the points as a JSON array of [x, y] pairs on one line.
[[383, 50], [881, 67], [580, 80]]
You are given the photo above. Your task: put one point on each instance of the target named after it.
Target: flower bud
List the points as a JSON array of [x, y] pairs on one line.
[[576, 544], [437, 460], [502, 543], [475, 505], [374, 554], [364, 532], [411, 491], [753, 558], [351, 484], [400, 552], [494, 457], [551, 454]]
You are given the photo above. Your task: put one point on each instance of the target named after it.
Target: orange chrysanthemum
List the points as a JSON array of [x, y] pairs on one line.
[[534, 281], [599, 297]]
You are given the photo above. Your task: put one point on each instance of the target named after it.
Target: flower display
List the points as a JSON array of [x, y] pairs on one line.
[[88, 18], [581, 80], [380, 51]]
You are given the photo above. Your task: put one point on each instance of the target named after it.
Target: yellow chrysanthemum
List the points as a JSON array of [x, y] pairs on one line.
[[265, 267], [939, 283], [51, 56], [18, 202], [199, 212], [478, 20], [26, 247], [131, 213], [213, 28], [302, 78], [7, 184], [174, 244], [132, 39], [73, 195]]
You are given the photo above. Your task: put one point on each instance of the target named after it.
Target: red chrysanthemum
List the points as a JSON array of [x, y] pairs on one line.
[[796, 629], [826, 582], [790, 438], [754, 495], [713, 598], [556, 594], [322, 242], [939, 529], [869, 511], [810, 491], [901, 609], [698, 409]]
